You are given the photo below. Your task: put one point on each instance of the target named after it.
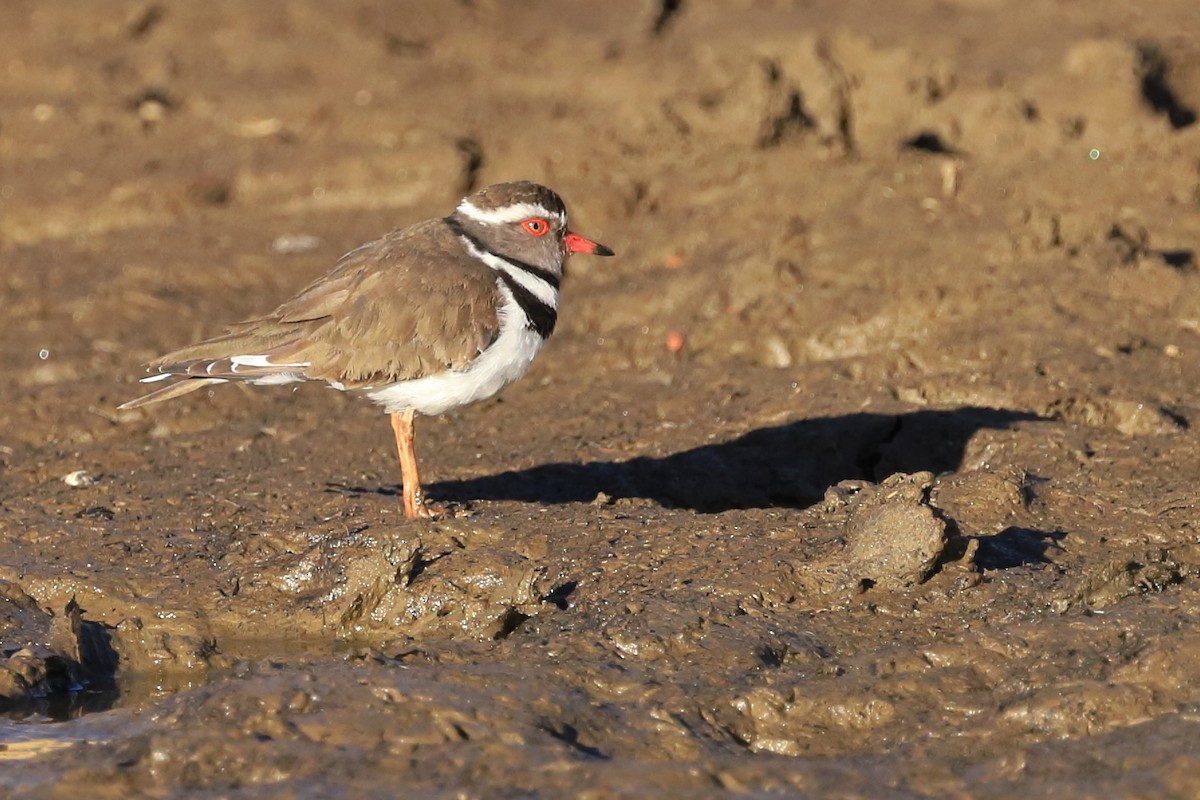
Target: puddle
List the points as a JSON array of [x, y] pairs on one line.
[[38, 726], [35, 726], [62, 706]]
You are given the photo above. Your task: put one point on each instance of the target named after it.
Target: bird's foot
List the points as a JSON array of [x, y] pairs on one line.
[[426, 510], [417, 507]]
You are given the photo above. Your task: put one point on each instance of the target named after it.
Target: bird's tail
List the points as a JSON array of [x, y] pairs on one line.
[[170, 392]]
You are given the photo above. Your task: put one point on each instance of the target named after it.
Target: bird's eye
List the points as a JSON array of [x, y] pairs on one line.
[[536, 226]]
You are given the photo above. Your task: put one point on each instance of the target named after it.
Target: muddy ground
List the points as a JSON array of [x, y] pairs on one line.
[[868, 468]]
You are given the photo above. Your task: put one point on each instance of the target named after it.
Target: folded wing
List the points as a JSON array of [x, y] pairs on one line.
[[409, 305]]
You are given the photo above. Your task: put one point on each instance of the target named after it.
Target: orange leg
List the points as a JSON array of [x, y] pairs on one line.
[[414, 499]]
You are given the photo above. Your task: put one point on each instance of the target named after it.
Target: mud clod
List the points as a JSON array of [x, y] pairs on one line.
[[893, 536], [45, 653]]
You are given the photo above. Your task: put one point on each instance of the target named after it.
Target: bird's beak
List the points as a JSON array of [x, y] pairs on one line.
[[579, 244]]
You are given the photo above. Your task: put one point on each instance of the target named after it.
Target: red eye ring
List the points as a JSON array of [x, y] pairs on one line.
[[536, 226]]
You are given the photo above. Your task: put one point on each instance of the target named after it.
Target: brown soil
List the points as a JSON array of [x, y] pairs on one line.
[[911, 512]]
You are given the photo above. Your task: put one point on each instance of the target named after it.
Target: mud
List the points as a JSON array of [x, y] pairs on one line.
[[867, 469]]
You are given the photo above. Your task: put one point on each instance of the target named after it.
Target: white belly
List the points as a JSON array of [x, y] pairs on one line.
[[498, 366]]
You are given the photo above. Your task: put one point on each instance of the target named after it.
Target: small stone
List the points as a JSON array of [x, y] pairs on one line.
[[79, 479], [776, 353], [151, 112], [290, 243]]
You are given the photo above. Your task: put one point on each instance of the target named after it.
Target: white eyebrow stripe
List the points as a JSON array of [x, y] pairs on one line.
[[537, 287], [504, 215]]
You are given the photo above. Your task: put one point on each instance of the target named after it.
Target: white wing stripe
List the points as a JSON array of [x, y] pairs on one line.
[[260, 361]]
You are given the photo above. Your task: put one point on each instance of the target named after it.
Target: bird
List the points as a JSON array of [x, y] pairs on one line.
[[422, 320]]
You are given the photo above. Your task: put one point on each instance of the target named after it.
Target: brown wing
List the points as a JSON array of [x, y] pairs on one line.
[[416, 304], [410, 304]]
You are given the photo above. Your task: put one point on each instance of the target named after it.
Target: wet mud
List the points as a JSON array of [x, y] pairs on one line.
[[868, 468]]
